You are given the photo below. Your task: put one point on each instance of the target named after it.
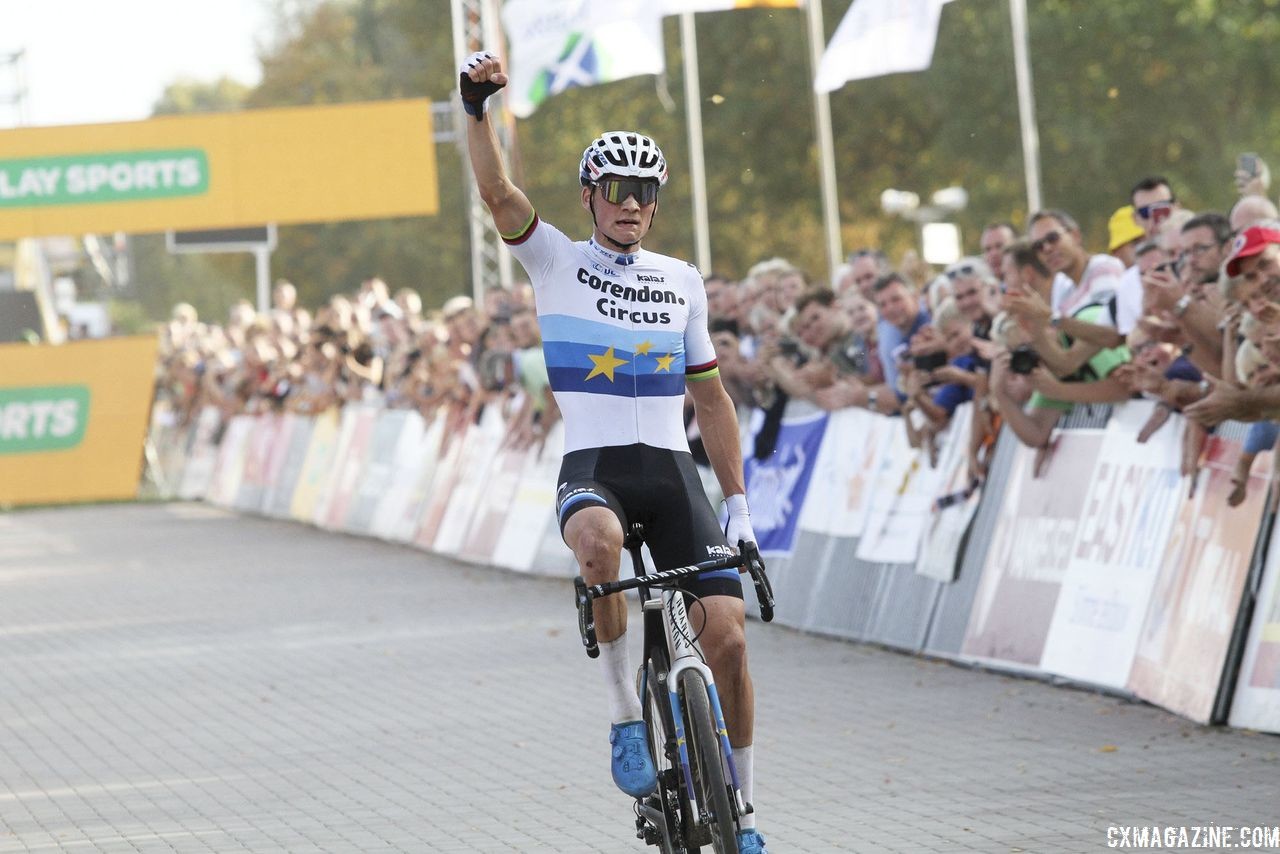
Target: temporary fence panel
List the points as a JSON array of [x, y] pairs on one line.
[[449, 468], [287, 462], [955, 500], [1188, 627], [493, 504], [229, 469], [777, 485], [950, 620], [531, 518], [474, 469], [1134, 492], [317, 466], [398, 510], [1029, 552], [904, 488], [377, 471], [1257, 696], [353, 451], [202, 458], [257, 456]]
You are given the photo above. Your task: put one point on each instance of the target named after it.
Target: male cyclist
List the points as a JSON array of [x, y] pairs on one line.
[[623, 330]]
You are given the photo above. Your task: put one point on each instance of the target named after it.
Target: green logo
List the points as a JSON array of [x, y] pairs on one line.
[[45, 418], [120, 176]]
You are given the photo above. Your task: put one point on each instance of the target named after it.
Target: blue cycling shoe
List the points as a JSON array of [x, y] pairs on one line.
[[632, 766], [751, 842]]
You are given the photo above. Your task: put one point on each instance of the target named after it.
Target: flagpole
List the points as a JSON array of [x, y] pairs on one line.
[[826, 147], [1026, 104], [697, 162]]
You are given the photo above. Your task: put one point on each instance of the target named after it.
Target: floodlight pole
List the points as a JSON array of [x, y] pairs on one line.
[[1026, 104], [826, 147]]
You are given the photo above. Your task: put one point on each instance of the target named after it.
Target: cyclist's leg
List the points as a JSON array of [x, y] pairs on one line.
[[594, 534], [592, 521]]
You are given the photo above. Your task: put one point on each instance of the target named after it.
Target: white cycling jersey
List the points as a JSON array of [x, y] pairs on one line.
[[621, 333]]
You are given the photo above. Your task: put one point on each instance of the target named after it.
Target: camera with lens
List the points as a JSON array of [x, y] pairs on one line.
[[790, 348], [929, 361], [1023, 360]]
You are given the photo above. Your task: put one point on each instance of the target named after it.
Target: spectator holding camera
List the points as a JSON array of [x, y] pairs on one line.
[[946, 373], [902, 315]]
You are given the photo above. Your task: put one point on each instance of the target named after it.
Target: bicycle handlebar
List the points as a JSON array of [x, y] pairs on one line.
[[748, 556]]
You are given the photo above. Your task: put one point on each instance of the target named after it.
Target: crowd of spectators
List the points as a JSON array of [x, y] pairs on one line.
[[1183, 309]]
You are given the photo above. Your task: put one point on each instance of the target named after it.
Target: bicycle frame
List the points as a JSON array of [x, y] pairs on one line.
[[675, 633]]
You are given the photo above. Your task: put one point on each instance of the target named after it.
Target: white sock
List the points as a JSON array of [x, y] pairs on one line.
[[624, 702], [742, 760]]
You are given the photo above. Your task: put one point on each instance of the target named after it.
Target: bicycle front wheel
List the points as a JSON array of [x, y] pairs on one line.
[[706, 762]]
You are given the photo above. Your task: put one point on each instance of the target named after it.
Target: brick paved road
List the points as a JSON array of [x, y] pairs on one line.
[[174, 678]]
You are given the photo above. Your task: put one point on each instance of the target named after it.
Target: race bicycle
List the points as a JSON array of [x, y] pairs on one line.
[[698, 801]]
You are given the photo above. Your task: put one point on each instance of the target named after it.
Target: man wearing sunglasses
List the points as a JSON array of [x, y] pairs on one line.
[[1153, 202], [625, 335]]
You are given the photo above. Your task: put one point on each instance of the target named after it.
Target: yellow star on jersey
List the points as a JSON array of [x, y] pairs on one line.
[[643, 349], [604, 364], [664, 363]]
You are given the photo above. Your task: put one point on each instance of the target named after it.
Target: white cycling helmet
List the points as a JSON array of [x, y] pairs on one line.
[[625, 153]]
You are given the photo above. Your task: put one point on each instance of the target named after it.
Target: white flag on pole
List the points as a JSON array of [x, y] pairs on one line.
[[558, 44], [676, 7], [880, 37]]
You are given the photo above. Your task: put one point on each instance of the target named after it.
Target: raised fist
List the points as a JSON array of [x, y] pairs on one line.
[[479, 77]]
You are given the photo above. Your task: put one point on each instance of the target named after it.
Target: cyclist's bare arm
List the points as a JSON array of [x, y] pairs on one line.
[[510, 208], [718, 424]]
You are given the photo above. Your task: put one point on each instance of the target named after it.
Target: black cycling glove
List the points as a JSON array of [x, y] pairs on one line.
[[473, 93]]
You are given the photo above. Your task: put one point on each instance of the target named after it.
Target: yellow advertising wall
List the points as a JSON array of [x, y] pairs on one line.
[[301, 164], [73, 419]]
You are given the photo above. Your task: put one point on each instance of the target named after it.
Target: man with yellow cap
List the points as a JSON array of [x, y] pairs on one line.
[[1123, 235]]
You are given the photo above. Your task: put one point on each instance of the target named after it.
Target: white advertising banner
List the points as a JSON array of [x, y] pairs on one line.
[[413, 449], [531, 518], [902, 492], [1134, 493], [1257, 699], [954, 502]]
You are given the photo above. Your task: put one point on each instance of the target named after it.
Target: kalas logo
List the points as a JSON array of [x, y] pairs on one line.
[[44, 418]]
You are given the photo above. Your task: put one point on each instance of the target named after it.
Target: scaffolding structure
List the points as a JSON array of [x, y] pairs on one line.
[[476, 27]]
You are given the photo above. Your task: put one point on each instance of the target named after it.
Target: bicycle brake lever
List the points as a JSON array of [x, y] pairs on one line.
[[586, 617], [764, 590]]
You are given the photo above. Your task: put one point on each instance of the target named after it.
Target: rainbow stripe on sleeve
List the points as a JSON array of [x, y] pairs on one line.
[[705, 371]]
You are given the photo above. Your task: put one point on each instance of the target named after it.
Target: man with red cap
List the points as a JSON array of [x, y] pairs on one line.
[[1255, 259]]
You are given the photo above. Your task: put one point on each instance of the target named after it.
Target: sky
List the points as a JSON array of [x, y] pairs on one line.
[[91, 61]]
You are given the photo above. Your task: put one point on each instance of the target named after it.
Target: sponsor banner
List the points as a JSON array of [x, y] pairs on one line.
[[73, 419], [902, 492], [353, 450], [954, 502], [229, 469], [494, 503], [776, 487], [1030, 550], [287, 457], [397, 511], [317, 466], [378, 468], [531, 518], [838, 467], [473, 474], [1257, 700], [244, 168], [197, 474], [257, 461], [1185, 638], [443, 480], [1134, 494]]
